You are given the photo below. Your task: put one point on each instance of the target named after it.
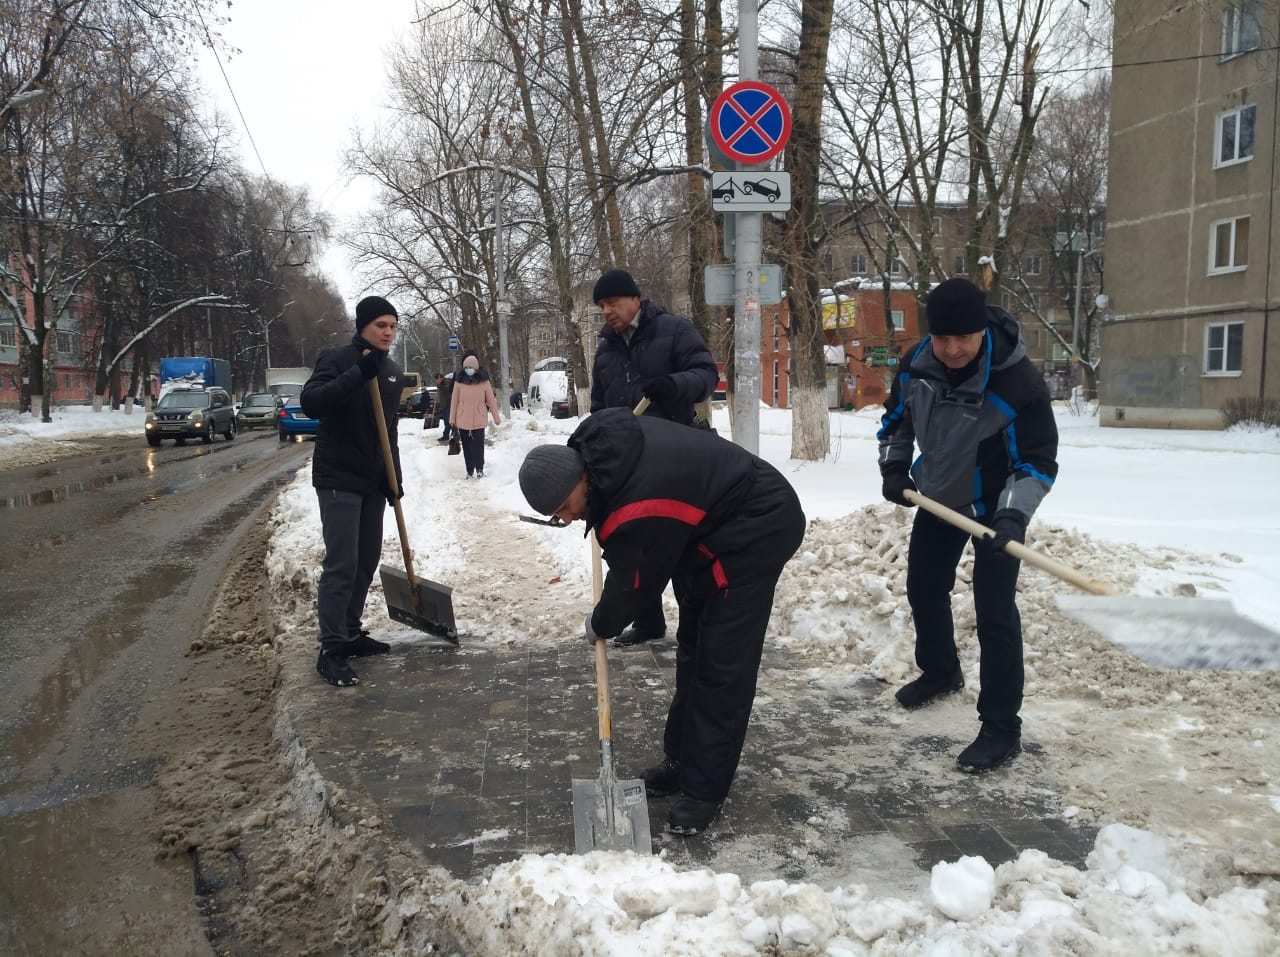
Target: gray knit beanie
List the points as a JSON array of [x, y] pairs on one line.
[[548, 474]]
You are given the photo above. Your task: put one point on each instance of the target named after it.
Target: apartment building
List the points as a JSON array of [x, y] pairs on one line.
[[1193, 256]]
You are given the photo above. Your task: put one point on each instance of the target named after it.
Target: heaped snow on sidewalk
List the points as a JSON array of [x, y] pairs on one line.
[[1177, 769]]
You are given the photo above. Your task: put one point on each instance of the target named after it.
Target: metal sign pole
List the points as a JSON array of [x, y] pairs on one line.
[[504, 306], [748, 228]]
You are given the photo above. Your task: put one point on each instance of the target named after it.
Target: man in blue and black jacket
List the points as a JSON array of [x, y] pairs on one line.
[[979, 412], [669, 502], [645, 351]]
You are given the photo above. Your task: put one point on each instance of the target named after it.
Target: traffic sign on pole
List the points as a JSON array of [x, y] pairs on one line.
[[750, 122], [453, 343]]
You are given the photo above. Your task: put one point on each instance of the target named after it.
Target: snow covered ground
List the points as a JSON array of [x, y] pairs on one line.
[[1177, 768]]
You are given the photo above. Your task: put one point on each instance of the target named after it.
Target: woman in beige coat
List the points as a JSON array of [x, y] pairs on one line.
[[473, 401]]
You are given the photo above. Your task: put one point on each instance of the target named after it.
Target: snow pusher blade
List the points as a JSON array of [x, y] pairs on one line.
[[416, 602], [1173, 633]]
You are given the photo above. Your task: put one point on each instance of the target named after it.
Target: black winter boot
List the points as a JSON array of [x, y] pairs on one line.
[[662, 780], [637, 636], [363, 645], [691, 816], [990, 750], [927, 687], [335, 670]]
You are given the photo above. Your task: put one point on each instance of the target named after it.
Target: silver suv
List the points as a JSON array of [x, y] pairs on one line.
[[191, 413]]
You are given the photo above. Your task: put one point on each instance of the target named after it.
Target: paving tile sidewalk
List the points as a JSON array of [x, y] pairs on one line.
[[469, 755]]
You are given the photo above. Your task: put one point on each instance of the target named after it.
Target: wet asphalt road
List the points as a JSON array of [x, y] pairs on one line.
[[108, 565]]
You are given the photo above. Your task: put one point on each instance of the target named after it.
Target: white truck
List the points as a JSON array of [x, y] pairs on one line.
[[287, 381]]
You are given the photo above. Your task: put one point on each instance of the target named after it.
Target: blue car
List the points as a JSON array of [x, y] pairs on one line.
[[293, 421]]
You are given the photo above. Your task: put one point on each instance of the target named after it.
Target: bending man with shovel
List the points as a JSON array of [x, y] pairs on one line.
[[350, 479], [981, 416], [667, 501]]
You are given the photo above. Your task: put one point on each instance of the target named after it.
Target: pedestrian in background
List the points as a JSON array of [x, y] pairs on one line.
[[444, 399], [669, 502], [980, 413], [473, 402], [350, 479], [645, 351], [436, 409]]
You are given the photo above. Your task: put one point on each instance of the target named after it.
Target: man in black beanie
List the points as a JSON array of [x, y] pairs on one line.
[[979, 412], [669, 502], [646, 351], [350, 479]]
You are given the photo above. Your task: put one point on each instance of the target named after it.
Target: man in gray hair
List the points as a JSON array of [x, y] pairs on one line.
[[670, 502]]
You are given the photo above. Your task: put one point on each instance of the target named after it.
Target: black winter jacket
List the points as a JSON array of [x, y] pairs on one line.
[[987, 442], [663, 344], [348, 453], [672, 502]]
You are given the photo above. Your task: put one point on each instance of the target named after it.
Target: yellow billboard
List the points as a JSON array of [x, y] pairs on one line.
[[838, 315]]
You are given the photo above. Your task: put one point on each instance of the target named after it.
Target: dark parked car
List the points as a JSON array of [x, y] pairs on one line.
[[259, 410], [422, 403], [565, 408], [191, 413], [292, 421]]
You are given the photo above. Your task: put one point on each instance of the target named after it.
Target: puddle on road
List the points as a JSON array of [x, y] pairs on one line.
[[60, 492], [68, 885]]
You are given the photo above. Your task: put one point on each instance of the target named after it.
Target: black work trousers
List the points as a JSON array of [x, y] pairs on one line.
[[472, 448], [719, 642], [352, 528], [935, 552]]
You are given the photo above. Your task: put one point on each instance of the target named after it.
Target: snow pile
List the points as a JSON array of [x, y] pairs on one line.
[[1140, 895]]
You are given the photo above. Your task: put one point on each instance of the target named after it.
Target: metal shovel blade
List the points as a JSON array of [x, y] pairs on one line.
[[1179, 633], [610, 815], [432, 611]]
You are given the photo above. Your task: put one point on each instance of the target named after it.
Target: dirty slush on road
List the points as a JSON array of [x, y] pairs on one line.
[[277, 864]]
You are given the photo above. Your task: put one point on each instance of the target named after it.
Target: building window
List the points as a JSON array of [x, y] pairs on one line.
[[1223, 348], [937, 225], [858, 264], [8, 337], [1235, 136], [66, 342], [899, 319], [961, 266], [895, 266], [1032, 266], [830, 263], [1240, 32], [1229, 245]]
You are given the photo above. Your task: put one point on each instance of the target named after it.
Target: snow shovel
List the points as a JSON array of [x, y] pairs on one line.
[[608, 814], [1176, 633], [416, 602]]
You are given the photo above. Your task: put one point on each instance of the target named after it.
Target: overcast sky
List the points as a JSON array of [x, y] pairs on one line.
[[307, 74]]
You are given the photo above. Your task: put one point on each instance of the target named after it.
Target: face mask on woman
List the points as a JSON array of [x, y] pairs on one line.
[[469, 371]]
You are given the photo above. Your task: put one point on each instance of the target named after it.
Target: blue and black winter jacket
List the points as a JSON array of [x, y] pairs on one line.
[[988, 441]]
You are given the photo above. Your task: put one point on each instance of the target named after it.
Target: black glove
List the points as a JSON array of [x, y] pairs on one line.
[[1009, 525], [662, 392], [369, 363], [895, 483]]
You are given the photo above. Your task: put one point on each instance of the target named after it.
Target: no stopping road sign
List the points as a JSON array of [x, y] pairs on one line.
[[750, 122]]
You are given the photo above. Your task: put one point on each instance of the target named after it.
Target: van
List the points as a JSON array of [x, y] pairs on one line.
[[549, 388]]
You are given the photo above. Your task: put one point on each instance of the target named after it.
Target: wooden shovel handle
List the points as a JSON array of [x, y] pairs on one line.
[[392, 483], [604, 713], [1016, 549]]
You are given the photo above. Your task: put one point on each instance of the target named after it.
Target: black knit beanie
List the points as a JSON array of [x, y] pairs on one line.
[[956, 307], [616, 282], [548, 474], [370, 308]]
